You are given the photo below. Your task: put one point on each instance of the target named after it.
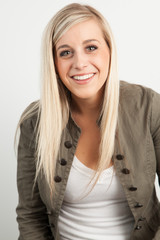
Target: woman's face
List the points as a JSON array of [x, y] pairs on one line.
[[82, 60]]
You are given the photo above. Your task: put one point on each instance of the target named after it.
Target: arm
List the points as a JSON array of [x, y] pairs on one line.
[[31, 212], [155, 128]]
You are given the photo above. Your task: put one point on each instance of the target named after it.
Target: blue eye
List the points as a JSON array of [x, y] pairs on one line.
[[91, 48], [65, 53]]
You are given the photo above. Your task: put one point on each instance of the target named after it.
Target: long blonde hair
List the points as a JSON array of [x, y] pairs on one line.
[[53, 107]]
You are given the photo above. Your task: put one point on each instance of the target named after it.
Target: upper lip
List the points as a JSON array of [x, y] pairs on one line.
[[82, 74]]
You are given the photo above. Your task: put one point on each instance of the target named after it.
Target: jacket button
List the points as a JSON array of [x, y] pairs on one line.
[[68, 144], [138, 205], [125, 171], [49, 213], [63, 162], [138, 227], [141, 219], [57, 179], [51, 225], [133, 189], [119, 157]]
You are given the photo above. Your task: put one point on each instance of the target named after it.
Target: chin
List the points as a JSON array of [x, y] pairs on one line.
[[86, 96]]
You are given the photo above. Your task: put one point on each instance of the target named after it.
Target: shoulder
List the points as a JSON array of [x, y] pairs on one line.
[[28, 126], [131, 93], [139, 102], [29, 117], [133, 89]]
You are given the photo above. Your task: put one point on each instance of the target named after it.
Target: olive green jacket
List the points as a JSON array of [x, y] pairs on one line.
[[136, 159]]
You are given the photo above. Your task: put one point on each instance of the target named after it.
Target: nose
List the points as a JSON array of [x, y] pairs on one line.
[[80, 61]]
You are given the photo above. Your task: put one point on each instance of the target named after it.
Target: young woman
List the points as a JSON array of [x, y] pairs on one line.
[[89, 149]]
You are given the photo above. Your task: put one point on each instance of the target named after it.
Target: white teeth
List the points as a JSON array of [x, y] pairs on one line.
[[83, 77]]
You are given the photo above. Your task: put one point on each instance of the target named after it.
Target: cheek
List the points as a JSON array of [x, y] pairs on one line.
[[102, 58], [102, 63], [105, 62], [62, 68], [58, 64]]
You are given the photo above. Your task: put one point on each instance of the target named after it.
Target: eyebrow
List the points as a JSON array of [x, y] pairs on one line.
[[86, 41]]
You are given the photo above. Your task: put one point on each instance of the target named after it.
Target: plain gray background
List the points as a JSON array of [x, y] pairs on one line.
[[135, 24]]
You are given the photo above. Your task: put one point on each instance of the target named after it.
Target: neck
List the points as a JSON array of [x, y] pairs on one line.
[[89, 108]]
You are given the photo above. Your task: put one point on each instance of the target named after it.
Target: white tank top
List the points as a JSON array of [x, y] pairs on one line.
[[102, 214]]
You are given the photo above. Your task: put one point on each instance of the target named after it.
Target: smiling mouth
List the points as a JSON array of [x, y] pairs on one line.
[[83, 77]]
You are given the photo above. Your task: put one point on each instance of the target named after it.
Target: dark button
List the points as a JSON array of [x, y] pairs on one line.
[[141, 219], [49, 213], [52, 225], [133, 189], [138, 205], [138, 227], [57, 179], [63, 162], [125, 171], [68, 144], [120, 157]]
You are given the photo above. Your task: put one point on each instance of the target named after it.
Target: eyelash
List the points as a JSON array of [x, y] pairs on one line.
[[63, 53], [90, 48]]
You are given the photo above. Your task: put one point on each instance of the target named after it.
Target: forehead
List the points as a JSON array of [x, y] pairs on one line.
[[82, 31]]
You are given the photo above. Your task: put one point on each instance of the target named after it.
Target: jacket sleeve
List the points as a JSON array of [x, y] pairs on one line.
[[155, 128], [31, 212]]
